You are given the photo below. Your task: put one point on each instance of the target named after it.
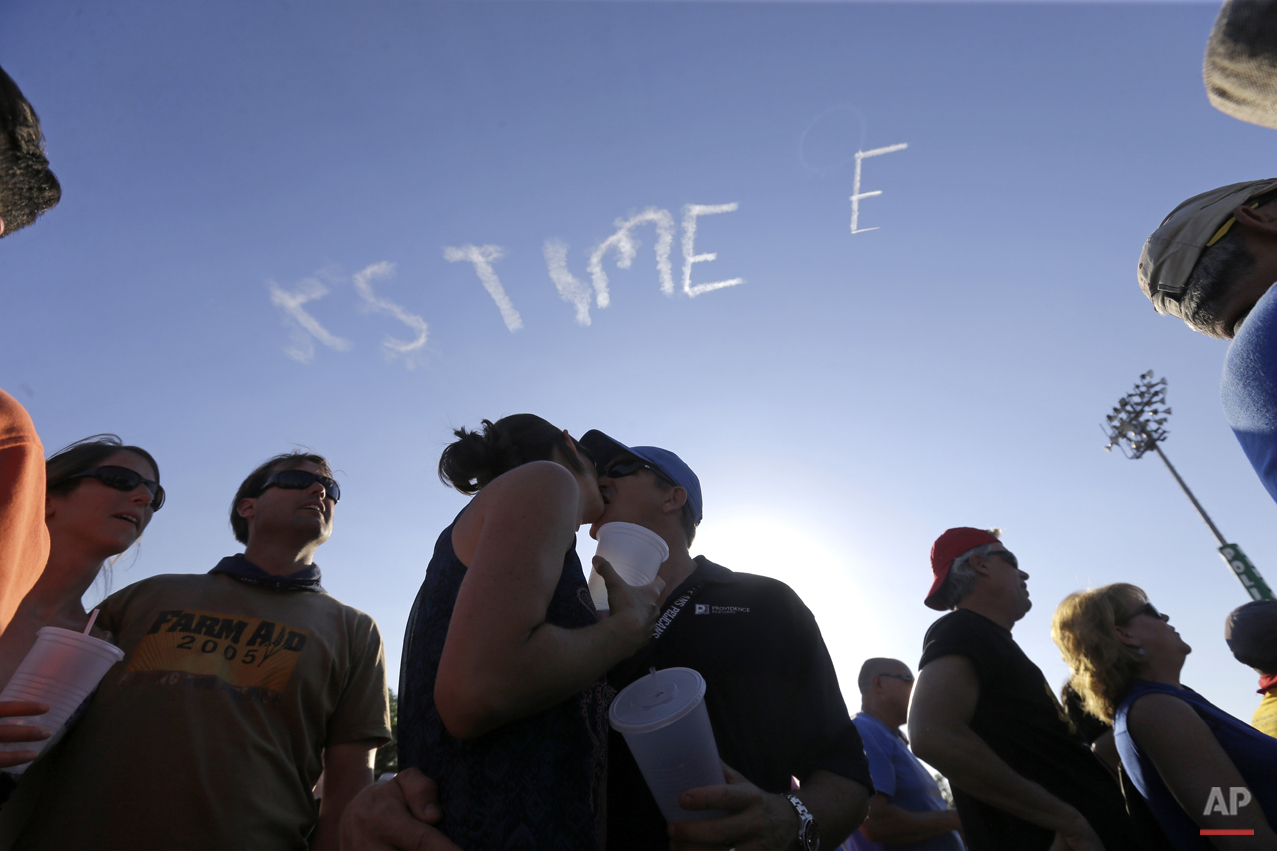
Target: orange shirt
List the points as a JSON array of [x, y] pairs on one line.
[[24, 539]]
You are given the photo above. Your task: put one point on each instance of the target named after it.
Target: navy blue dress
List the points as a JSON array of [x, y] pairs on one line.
[[1253, 752], [536, 783]]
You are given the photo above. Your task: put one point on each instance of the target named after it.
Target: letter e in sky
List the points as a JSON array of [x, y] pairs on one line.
[[856, 194], [690, 213]]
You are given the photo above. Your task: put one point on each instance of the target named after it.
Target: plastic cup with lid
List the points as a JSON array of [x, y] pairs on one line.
[[663, 719]]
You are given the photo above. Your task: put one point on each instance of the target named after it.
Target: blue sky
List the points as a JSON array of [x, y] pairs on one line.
[[851, 398]]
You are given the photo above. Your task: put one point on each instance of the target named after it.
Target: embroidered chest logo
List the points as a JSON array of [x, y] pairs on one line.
[[706, 609], [251, 658]]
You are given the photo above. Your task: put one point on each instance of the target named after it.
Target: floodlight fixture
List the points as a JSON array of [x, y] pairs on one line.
[[1137, 425]]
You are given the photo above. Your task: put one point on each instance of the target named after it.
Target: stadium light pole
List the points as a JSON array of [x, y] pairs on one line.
[[1136, 426]]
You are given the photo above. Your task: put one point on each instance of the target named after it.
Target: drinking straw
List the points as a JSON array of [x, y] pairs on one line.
[[92, 618]]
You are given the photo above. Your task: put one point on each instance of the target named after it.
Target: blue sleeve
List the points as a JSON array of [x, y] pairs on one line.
[[1248, 389], [878, 751]]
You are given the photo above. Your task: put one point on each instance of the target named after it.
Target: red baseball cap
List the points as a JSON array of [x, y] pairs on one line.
[[950, 545]]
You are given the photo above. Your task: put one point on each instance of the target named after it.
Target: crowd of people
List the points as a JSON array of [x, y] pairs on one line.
[[242, 687]]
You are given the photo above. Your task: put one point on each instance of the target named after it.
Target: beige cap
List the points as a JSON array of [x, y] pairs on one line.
[[1173, 250]]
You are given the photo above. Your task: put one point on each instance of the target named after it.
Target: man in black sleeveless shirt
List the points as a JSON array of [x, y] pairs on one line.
[[771, 691], [984, 715]]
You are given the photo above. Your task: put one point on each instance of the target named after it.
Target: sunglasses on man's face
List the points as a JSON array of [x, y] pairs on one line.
[[629, 467], [124, 479], [1007, 556], [1146, 609], [302, 479], [908, 678]]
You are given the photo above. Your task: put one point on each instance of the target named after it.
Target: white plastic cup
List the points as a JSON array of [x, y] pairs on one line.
[[663, 719], [598, 591], [61, 669], [636, 552]]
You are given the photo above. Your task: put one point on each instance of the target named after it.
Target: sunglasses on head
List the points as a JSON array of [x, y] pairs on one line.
[[1146, 609], [301, 479], [123, 479], [908, 678]]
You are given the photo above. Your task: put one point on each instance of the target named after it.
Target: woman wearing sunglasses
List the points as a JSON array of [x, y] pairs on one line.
[[100, 495], [501, 694], [1181, 752]]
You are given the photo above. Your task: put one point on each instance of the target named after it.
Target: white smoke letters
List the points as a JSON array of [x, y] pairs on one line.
[[627, 248], [690, 213], [305, 329], [483, 256], [393, 348], [856, 194]]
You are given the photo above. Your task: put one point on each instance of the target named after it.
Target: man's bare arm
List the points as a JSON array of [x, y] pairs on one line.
[[347, 772], [944, 701], [893, 825]]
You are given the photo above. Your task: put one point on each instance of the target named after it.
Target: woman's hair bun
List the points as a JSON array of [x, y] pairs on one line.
[[475, 458]]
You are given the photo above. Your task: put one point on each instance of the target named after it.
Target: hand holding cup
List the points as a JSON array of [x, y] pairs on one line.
[[21, 733], [635, 608]]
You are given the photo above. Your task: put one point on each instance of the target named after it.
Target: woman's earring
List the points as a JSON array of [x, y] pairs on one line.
[[1141, 649]]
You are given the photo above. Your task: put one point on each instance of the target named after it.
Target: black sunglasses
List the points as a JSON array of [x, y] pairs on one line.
[[123, 479], [1007, 556], [629, 467], [908, 678], [301, 479], [1146, 609]]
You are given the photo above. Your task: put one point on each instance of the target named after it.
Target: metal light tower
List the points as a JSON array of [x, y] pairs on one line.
[[1136, 426]]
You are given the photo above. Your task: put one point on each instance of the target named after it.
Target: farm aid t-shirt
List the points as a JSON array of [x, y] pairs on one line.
[[209, 733]]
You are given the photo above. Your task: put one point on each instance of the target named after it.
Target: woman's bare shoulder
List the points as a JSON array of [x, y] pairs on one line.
[[542, 493]]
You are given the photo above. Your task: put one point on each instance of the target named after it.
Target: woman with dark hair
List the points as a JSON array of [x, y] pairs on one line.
[[501, 688], [100, 495], [1184, 754]]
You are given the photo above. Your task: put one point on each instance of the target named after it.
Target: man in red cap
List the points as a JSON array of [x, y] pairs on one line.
[[984, 715]]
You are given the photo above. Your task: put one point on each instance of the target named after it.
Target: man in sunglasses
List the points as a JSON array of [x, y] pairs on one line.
[[907, 812], [771, 690], [983, 714], [238, 687], [1212, 262]]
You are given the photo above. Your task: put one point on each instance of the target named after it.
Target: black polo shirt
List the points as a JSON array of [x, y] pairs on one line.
[[770, 689]]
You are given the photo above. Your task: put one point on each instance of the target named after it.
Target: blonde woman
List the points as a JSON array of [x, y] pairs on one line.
[[1183, 753]]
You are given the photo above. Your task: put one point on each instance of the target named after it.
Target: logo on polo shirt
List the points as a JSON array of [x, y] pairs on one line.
[[704, 609]]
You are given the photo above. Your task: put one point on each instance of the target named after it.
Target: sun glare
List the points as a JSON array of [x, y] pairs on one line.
[[826, 577]]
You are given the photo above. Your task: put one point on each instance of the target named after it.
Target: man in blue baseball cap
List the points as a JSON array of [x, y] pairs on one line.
[[770, 688]]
